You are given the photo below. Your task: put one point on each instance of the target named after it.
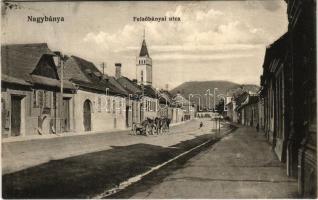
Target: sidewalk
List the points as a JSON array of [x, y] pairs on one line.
[[241, 165], [24, 154]]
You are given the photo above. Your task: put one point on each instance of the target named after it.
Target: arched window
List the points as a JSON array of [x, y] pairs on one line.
[[87, 110]]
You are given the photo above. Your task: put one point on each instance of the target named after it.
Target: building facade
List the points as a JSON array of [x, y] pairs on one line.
[[98, 104], [275, 89], [289, 94], [302, 142], [248, 111], [31, 98]]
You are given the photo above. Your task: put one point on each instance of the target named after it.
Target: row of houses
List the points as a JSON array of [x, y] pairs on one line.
[[45, 92], [246, 108], [285, 107]]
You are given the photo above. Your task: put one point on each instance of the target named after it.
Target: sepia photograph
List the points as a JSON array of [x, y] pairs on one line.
[[158, 99]]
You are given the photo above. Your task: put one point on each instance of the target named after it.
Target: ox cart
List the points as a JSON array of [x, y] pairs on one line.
[[151, 126]]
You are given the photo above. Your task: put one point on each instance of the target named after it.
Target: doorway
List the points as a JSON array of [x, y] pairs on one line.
[[66, 115], [127, 117], [16, 115], [87, 115]]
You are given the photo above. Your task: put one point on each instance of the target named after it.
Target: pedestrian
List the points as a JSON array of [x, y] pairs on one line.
[[201, 124], [257, 127]]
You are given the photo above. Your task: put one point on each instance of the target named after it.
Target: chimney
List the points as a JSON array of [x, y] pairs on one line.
[[118, 70]]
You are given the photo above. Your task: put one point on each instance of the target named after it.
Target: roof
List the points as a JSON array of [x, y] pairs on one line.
[[149, 91], [134, 88], [179, 99], [29, 64], [165, 97], [249, 100], [114, 82], [129, 85], [277, 50], [85, 74], [240, 98], [19, 60], [144, 50], [13, 80], [41, 80]]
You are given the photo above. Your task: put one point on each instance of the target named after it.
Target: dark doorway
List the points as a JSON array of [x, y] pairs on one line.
[[16, 115], [127, 116], [87, 116], [66, 115]]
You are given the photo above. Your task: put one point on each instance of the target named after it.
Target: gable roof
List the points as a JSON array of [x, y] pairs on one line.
[[144, 50], [19, 60], [135, 89], [277, 50], [165, 97], [248, 99], [19, 63], [129, 85], [114, 82], [179, 99], [85, 74], [149, 91]]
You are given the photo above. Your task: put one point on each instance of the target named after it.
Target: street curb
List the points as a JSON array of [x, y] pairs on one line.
[[71, 134]]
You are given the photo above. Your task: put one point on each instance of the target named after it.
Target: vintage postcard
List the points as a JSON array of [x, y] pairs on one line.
[[158, 99]]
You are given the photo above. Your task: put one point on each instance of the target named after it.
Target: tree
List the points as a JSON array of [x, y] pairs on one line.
[[219, 108]]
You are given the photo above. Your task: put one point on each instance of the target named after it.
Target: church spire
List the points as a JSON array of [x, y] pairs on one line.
[[144, 64], [144, 50]]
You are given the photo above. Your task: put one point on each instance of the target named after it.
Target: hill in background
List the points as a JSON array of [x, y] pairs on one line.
[[225, 88]]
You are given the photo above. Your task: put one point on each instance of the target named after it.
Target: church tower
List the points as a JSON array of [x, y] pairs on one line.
[[144, 65]]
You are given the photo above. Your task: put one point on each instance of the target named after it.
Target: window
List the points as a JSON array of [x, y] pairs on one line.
[[34, 98], [120, 106], [54, 100], [46, 99], [99, 101], [142, 76], [40, 98], [114, 106], [108, 105]]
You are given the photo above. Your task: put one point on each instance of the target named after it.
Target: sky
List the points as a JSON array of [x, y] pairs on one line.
[[215, 40]]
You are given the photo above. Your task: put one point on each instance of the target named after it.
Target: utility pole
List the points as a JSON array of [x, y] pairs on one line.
[[61, 65], [214, 97]]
